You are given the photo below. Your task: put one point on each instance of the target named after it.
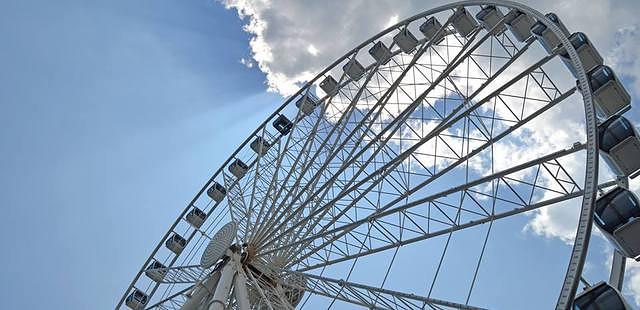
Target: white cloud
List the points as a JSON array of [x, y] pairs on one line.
[[394, 19], [312, 50], [247, 62]]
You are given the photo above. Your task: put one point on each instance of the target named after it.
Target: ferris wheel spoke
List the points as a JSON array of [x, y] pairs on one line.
[[173, 301], [329, 135], [372, 297], [419, 226], [509, 62], [180, 274], [306, 164], [275, 183], [439, 129], [464, 52], [380, 102]]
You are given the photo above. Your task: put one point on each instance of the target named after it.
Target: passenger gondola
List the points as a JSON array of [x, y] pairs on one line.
[[463, 22], [176, 243], [196, 217], [282, 124], [620, 145], [587, 53], [617, 215], [429, 29], [353, 69], [156, 271], [137, 300], [609, 95], [307, 103], [380, 52], [600, 296], [548, 39], [490, 17], [519, 24], [406, 41], [329, 85], [260, 146], [238, 168], [216, 191]]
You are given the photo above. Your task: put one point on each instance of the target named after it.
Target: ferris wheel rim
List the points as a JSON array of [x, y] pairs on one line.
[[579, 251]]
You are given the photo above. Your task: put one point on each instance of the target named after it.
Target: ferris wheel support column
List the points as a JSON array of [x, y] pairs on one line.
[[240, 288], [223, 289], [200, 291]]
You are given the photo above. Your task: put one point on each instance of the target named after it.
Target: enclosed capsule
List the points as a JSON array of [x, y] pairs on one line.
[[156, 271], [282, 124], [587, 53], [490, 17], [430, 28], [620, 145], [463, 22], [380, 52], [609, 94], [329, 85], [353, 69], [307, 103], [617, 215], [176, 243], [260, 146], [196, 217], [406, 40], [238, 168], [216, 191], [600, 296], [137, 300], [519, 24], [548, 39]]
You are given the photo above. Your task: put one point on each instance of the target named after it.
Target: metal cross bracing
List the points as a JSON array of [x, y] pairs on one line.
[[445, 141], [359, 174], [373, 297], [457, 208]]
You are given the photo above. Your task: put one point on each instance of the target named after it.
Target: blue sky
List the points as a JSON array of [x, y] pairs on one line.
[[113, 115]]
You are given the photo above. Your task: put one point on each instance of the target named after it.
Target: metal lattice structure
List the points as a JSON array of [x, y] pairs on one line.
[[384, 150]]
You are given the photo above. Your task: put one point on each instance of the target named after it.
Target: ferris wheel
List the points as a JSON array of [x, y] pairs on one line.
[[403, 145]]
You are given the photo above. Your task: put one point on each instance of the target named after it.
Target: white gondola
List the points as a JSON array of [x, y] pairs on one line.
[[587, 53], [353, 69], [238, 168], [609, 95], [329, 85], [600, 296], [216, 191], [156, 271], [463, 22], [260, 146], [137, 300], [620, 145], [307, 103], [380, 52], [490, 17], [282, 124], [196, 217], [617, 215], [545, 35], [519, 24], [406, 41], [429, 29], [176, 243]]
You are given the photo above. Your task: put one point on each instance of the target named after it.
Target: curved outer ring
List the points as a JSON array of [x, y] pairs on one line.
[[581, 242]]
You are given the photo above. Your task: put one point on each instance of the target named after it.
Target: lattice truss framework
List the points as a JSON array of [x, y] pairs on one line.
[[399, 156]]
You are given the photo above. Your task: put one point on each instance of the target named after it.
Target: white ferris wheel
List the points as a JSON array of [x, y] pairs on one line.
[[393, 148]]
